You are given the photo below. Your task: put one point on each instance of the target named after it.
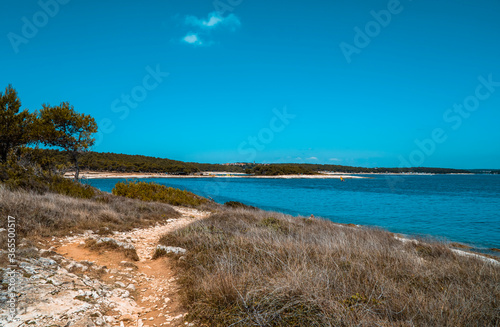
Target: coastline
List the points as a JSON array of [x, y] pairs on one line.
[[94, 175], [452, 245], [224, 174], [112, 175]]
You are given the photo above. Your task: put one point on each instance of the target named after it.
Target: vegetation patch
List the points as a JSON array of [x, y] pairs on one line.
[[29, 177], [241, 269], [274, 224], [155, 192], [280, 169], [95, 161], [84, 298], [460, 246], [51, 214], [107, 243], [239, 205], [360, 300]]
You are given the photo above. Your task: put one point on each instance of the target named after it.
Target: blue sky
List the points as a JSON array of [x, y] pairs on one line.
[[365, 83]]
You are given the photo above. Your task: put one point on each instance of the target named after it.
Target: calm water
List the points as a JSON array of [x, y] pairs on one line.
[[461, 208]]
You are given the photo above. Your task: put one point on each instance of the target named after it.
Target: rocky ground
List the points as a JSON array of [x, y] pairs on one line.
[[65, 283]]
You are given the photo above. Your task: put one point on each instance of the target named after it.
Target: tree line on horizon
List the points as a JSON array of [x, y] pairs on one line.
[[381, 170], [125, 163]]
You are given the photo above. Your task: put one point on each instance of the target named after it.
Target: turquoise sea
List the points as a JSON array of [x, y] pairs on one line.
[[457, 208]]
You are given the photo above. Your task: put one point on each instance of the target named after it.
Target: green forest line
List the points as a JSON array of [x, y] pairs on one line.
[[115, 162]]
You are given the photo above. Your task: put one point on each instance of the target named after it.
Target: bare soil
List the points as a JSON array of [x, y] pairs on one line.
[[154, 283]]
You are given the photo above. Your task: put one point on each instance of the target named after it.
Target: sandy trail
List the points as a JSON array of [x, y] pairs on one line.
[[149, 286]]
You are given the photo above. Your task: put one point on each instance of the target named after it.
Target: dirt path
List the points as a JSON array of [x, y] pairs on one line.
[[144, 292]]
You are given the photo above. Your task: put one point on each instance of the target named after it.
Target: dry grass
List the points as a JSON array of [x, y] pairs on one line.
[[255, 268], [101, 247], [49, 214]]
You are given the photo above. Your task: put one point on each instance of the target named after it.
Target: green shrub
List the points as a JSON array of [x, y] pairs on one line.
[[159, 193], [280, 169], [31, 178], [274, 224], [236, 205], [71, 188]]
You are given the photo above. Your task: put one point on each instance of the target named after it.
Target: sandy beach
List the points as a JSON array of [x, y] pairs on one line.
[[94, 174]]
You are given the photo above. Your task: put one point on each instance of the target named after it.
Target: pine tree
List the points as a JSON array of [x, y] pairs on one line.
[[15, 125], [61, 126]]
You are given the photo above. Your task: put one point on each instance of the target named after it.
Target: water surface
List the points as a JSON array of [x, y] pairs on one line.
[[459, 208]]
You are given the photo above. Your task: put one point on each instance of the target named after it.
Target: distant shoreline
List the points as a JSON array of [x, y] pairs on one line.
[[95, 174], [222, 174]]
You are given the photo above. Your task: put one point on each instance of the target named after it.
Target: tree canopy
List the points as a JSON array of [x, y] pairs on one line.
[[61, 126], [15, 125]]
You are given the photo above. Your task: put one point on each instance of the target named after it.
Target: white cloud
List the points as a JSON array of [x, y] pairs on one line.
[[192, 38], [201, 34], [334, 159], [213, 20], [312, 158]]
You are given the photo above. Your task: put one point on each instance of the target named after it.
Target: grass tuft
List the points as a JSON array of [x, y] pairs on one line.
[[113, 245]]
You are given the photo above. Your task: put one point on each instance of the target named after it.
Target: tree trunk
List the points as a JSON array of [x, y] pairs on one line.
[[3, 156], [77, 173], [4, 151], [77, 167]]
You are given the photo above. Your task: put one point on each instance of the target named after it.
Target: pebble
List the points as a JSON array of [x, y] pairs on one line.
[[120, 284], [170, 249]]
